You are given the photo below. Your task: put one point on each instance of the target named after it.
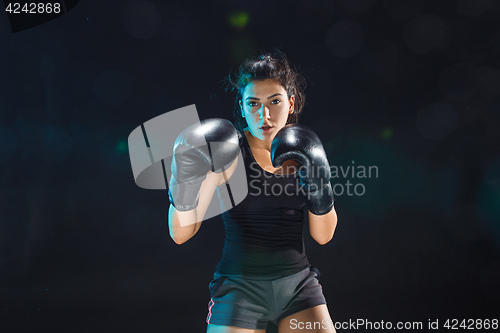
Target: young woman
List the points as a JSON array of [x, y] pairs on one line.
[[264, 275]]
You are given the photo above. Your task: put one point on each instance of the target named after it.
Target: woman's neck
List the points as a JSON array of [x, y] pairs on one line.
[[261, 151], [255, 143]]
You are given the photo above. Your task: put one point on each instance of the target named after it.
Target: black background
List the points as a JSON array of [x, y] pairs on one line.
[[411, 87]]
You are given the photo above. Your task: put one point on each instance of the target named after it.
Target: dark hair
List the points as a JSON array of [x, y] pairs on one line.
[[269, 65]]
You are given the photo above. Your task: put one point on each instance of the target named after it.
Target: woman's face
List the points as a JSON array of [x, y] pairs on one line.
[[265, 106]]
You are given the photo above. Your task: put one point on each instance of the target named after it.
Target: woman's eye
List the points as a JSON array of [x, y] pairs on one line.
[[252, 103], [275, 101]]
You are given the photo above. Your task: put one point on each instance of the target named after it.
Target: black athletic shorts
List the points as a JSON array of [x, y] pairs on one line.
[[252, 302]]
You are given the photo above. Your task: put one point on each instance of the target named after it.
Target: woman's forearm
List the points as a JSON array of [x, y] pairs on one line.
[[322, 227], [182, 225], [185, 224]]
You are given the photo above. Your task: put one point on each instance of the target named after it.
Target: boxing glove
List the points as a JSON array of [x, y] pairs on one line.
[[299, 143], [210, 145]]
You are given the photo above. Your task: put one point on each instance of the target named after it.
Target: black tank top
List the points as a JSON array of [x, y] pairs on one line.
[[264, 232]]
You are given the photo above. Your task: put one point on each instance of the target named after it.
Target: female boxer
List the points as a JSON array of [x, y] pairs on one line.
[[264, 275]]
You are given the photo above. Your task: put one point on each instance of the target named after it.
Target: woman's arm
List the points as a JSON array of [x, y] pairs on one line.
[[322, 227], [184, 225], [198, 149]]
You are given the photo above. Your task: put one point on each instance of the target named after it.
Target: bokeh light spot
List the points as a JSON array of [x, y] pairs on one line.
[[122, 147], [437, 120], [239, 19], [427, 33], [387, 133]]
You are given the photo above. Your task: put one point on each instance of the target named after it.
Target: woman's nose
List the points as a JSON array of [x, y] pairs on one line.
[[263, 112]]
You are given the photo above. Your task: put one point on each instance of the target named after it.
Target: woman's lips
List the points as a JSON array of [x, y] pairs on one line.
[[266, 128]]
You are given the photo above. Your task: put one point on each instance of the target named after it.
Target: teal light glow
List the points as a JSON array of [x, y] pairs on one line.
[[121, 146]]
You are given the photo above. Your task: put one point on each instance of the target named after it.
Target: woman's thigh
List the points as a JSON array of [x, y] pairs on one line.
[[312, 320], [211, 328]]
